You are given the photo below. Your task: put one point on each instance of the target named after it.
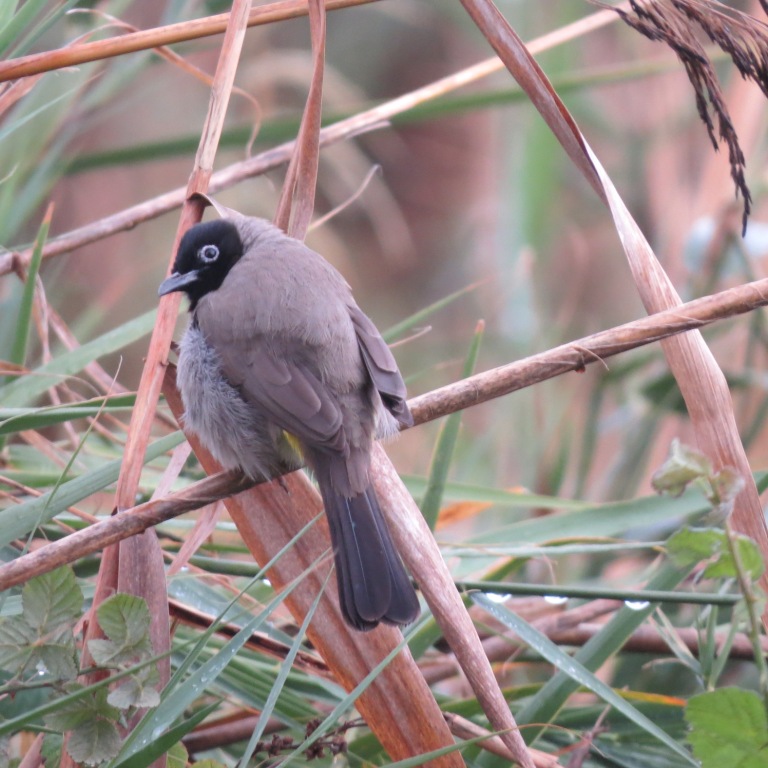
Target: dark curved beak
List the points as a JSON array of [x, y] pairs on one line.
[[177, 282]]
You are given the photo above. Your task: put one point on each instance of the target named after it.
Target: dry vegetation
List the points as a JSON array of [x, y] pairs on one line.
[[593, 591]]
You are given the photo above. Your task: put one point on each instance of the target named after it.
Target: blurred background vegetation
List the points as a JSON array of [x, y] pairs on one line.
[[474, 196]]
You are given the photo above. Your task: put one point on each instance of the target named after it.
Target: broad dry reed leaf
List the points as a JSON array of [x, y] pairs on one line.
[[297, 199]]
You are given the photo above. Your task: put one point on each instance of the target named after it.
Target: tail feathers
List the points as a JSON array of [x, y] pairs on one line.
[[373, 583]]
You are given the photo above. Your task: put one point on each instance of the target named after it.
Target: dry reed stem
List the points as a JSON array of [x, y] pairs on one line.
[[480, 388], [71, 56], [700, 380], [421, 554], [370, 119], [462, 728], [297, 198]]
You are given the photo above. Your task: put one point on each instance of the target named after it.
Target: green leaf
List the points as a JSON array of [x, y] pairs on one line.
[[14, 26], [419, 317], [691, 546], [285, 669], [178, 757], [41, 638], [160, 745], [125, 621], [682, 467], [52, 599], [139, 690], [24, 318], [729, 729], [180, 693], [95, 741], [56, 656], [17, 640]]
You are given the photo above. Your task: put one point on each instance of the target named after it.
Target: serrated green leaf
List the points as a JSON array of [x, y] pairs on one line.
[[16, 641], [135, 692], [80, 714], [57, 656], [177, 756], [41, 639], [52, 599], [125, 621], [691, 546], [729, 728], [94, 741]]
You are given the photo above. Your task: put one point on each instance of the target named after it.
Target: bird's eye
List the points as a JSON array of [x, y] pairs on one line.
[[208, 254]]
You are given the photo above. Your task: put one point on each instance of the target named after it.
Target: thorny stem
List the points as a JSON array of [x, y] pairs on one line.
[[752, 604]]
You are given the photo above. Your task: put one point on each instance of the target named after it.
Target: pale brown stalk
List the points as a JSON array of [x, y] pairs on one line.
[[145, 40]]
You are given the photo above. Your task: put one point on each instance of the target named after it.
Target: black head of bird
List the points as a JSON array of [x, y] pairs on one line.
[[206, 254]]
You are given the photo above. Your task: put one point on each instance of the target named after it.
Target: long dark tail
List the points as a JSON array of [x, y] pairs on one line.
[[373, 583]]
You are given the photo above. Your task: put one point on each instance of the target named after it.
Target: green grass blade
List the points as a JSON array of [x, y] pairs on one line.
[[577, 672], [18, 419], [44, 25], [417, 485], [404, 326], [27, 388], [446, 445], [285, 669], [14, 27], [602, 520], [551, 697], [177, 698], [160, 746], [24, 318], [17, 521], [348, 701], [7, 12]]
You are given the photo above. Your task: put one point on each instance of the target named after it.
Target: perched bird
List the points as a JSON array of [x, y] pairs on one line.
[[280, 365]]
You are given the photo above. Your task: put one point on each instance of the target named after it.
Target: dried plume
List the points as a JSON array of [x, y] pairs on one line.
[[681, 24]]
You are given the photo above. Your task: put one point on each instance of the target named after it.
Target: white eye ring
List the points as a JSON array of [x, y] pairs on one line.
[[208, 254]]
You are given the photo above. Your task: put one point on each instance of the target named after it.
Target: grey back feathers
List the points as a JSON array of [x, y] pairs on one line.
[[278, 345]]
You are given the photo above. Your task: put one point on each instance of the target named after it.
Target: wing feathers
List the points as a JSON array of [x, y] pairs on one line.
[[381, 366]]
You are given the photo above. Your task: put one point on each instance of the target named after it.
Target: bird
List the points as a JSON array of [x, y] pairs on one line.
[[280, 368]]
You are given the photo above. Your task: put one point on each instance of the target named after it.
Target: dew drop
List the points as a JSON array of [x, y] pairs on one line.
[[555, 599], [636, 605]]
